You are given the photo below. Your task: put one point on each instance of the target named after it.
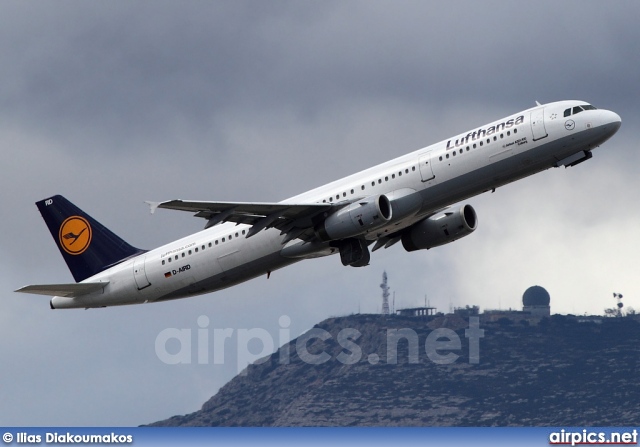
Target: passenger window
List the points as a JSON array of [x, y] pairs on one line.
[[515, 130], [196, 249], [379, 181], [352, 191], [189, 251], [344, 194], [169, 259], [393, 176], [176, 257], [216, 242], [363, 187], [441, 158], [373, 183], [222, 239], [400, 174], [386, 179], [481, 143], [163, 262], [406, 171], [413, 168], [183, 254]]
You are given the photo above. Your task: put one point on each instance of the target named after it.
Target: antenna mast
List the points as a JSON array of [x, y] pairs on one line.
[[385, 295]]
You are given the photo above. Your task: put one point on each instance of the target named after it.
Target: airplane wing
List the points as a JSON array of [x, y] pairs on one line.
[[71, 290], [293, 219]]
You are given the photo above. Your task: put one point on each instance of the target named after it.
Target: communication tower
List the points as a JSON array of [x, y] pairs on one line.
[[385, 294]]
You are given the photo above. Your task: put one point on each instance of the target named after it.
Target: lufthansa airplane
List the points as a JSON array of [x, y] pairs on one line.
[[409, 199]]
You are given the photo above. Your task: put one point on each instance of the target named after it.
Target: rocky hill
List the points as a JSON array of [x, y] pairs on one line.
[[560, 372]]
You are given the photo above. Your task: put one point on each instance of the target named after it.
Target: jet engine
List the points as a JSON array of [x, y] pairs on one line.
[[355, 219], [440, 229]]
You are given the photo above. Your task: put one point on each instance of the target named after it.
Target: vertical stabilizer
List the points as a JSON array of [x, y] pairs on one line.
[[86, 245]]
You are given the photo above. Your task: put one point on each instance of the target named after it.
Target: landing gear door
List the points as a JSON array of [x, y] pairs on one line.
[[140, 274], [537, 124], [426, 170]]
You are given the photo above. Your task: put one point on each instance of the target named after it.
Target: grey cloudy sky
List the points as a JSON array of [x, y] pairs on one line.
[[114, 103]]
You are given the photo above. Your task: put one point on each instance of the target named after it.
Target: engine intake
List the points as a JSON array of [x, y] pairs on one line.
[[355, 219], [440, 229]]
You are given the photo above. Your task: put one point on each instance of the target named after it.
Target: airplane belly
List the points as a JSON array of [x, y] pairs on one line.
[[230, 260], [234, 275]]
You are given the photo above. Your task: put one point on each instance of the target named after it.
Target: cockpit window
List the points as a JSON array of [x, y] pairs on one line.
[[578, 109]]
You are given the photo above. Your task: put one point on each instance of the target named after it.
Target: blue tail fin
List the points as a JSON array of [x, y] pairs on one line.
[[86, 245]]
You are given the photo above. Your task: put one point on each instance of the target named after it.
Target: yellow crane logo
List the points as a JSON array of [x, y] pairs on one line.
[[75, 235]]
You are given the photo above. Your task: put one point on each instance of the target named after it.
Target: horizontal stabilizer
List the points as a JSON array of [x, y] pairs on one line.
[[67, 290]]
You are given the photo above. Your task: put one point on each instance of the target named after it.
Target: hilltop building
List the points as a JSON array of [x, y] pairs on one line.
[[535, 306], [417, 312], [536, 301]]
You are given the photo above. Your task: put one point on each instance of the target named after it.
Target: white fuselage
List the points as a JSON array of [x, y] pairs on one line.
[[440, 175]]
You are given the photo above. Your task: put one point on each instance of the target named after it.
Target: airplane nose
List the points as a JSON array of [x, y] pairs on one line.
[[614, 119], [610, 122]]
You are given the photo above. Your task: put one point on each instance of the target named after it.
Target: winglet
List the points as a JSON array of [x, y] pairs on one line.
[[153, 206]]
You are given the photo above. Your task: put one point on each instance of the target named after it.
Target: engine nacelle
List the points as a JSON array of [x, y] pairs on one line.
[[355, 219], [440, 229]]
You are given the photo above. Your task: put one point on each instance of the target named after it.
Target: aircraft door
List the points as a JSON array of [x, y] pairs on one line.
[[537, 124], [140, 273], [426, 170]]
